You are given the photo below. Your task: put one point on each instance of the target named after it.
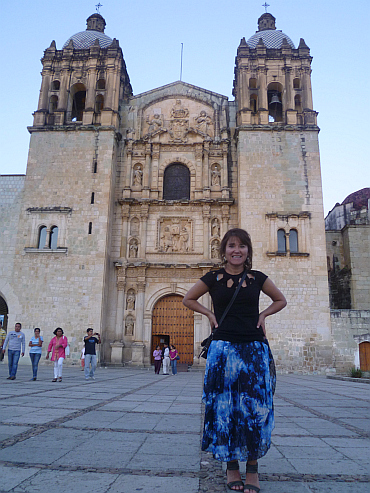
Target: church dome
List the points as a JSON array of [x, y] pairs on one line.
[[270, 36], [271, 39], [359, 199], [94, 31]]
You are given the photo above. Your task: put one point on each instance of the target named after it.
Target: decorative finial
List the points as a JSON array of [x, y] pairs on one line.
[[98, 7], [266, 5]]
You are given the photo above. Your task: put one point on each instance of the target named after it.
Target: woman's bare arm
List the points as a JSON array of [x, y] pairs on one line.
[[191, 301], [278, 302]]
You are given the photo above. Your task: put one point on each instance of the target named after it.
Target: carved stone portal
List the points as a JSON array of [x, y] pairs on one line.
[[175, 235]]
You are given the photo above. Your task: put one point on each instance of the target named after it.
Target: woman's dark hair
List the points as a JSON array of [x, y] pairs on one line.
[[36, 328], [244, 238], [56, 330]]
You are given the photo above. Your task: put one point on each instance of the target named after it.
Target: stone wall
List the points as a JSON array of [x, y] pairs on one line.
[[346, 326]]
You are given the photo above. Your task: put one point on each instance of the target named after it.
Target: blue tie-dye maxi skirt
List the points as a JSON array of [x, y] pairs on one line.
[[238, 398]]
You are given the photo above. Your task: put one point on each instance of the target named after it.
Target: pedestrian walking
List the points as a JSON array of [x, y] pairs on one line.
[[35, 352], [166, 359], [17, 345], [174, 356], [91, 340], [82, 358], [2, 340], [57, 347], [157, 355], [238, 385]]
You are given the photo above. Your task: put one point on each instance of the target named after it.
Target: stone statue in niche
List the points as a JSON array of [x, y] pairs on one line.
[[203, 122], [215, 227], [133, 248], [130, 133], [215, 249], [129, 326], [175, 235], [130, 300], [155, 124], [134, 226], [215, 176], [137, 179]]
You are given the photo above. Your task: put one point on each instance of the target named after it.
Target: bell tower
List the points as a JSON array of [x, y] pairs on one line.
[[279, 197], [83, 83]]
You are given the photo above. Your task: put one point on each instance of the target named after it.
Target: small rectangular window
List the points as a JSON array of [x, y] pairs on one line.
[[92, 197], [90, 228]]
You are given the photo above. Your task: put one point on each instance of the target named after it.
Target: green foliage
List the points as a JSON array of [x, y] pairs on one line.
[[355, 372]]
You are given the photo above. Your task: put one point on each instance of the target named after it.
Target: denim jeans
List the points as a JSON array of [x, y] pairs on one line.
[[90, 358], [13, 358], [174, 366], [35, 358]]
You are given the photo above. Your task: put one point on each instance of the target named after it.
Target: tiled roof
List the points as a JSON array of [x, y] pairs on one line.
[[85, 39], [271, 37]]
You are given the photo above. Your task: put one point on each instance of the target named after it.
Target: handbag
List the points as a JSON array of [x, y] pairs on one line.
[[207, 342], [66, 350], [177, 357]]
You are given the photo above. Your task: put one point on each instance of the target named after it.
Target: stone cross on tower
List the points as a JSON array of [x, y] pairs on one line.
[[265, 5], [98, 7]]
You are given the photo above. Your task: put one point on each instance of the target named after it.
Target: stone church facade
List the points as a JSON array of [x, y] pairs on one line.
[[126, 198]]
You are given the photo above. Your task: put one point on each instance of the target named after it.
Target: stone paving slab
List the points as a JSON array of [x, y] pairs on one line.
[[131, 430]]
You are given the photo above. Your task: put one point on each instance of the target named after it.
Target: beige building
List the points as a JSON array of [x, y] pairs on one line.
[[126, 198], [348, 258]]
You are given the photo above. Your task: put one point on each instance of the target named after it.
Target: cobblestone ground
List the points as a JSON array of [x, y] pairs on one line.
[[130, 430]]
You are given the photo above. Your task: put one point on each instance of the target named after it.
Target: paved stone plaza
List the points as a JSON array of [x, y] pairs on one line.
[[131, 430]]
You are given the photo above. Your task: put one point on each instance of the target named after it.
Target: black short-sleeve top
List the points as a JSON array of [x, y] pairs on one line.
[[240, 324]]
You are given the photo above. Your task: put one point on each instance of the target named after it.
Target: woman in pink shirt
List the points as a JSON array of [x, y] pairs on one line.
[[157, 354], [57, 345]]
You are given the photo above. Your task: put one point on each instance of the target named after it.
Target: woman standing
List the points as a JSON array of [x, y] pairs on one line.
[[173, 359], [35, 352], [57, 345], [238, 386], [157, 355]]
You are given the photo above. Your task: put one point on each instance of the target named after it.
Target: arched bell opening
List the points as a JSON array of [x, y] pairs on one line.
[[78, 100], [274, 99]]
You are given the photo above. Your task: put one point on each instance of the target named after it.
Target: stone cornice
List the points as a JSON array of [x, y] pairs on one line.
[[166, 203]]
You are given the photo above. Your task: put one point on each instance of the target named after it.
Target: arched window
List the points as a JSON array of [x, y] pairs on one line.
[[253, 103], [53, 240], [100, 84], [296, 83], [55, 85], [252, 83], [42, 237], [78, 93], [293, 241], [274, 99], [176, 182], [99, 103], [281, 240], [53, 104]]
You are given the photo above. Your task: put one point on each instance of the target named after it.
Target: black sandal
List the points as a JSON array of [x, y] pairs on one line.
[[252, 469], [234, 466]]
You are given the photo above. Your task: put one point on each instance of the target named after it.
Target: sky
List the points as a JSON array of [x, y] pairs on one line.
[[150, 34]]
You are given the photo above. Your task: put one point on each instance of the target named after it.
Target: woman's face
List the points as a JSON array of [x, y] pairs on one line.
[[59, 333], [236, 253]]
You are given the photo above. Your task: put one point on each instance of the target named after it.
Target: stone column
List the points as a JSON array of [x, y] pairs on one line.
[[137, 345], [225, 214], [147, 172], [155, 169], [128, 170], [125, 214], [206, 231], [120, 307], [144, 214]]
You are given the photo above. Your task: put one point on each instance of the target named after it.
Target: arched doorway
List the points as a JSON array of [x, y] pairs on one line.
[[365, 356], [4, 313], [173, 323]]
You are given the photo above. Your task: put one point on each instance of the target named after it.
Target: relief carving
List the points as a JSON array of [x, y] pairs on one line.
[[203, 123], [155, 124], [134, 226], [179, 123], [175, 235]]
